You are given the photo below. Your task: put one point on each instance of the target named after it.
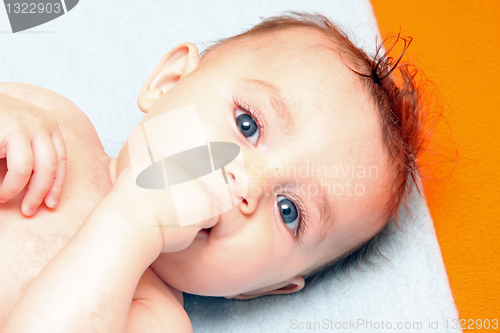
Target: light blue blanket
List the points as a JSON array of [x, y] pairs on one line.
[[99, 55]]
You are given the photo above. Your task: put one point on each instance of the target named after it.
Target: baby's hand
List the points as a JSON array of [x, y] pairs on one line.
[[157, 205], [31, 141]]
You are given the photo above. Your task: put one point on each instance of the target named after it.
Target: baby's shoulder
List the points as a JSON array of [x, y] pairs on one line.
[[43, 97], [69, 116]]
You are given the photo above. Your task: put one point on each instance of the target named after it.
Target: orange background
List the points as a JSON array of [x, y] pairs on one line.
[[457, 45]]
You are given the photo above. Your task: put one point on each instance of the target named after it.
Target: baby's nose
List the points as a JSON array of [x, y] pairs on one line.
[[238, 182], [236, 179]]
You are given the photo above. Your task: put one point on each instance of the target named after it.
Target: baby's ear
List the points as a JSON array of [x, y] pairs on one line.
[[174, 65], [289, 286]]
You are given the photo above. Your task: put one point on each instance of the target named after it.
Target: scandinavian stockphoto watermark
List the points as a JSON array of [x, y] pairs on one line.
[[310, 179], [24, 15], [170, 150]]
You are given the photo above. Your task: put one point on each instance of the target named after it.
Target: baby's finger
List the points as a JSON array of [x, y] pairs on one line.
[[19, 165], [44, 168], [52, 198]]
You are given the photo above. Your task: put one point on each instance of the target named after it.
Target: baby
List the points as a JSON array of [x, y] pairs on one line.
[[329, 143]]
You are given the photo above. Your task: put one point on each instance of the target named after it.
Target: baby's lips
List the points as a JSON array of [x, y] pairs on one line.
[[210, 222]]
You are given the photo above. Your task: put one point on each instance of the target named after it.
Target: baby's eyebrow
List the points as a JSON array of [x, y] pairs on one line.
[[326, 215], [278, 105]]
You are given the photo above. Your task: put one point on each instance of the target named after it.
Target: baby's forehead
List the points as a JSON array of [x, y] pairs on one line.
[[299, 55], [326, 98], [304, 65], [285, 44]]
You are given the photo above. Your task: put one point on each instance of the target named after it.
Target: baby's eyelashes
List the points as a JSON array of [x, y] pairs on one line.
[[247, 126], [288, 212]]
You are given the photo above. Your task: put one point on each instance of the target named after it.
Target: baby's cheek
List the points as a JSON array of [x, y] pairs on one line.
[[247, 257]]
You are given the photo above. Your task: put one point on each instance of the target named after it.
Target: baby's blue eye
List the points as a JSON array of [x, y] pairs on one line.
[[288, 212], [247, 126]]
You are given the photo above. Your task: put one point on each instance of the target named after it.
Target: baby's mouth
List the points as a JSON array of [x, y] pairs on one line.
[[204, 233]]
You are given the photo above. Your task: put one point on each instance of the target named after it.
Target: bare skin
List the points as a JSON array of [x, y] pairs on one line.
[[27, 244], [330, 110]]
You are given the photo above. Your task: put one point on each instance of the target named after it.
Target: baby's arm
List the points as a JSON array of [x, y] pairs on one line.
[[157, 307], [89, 285], [31, 141]]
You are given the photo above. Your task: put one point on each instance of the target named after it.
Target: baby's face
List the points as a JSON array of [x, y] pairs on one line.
[[316, 167]]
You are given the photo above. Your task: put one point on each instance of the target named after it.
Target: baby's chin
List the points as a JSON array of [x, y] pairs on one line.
[[204, 288], [191, 282]]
